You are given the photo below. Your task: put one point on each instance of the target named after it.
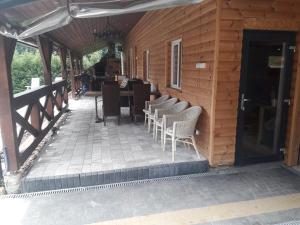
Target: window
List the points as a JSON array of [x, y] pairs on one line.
[[146, 63], [176, 64], [131, 63]]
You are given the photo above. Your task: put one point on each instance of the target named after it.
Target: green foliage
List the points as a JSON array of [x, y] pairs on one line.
[[91, 59], [55, 66], [27, 64]]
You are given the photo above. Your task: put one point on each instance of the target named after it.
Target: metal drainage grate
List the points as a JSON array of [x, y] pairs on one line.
[[295, 222]]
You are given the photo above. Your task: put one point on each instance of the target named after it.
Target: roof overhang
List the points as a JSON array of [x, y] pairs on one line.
[[25, 19]]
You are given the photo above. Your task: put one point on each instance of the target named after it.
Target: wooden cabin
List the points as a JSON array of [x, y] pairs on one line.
[[238, 59]]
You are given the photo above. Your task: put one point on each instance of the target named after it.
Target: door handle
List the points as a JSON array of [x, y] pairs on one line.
[[287, 101], [243, 100]]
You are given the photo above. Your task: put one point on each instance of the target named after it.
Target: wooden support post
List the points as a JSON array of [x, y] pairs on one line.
[[72, 74], [46, 47], [63, 60], [7, 113], [76, 66], [80, 65], [294, 139], [64, 74]]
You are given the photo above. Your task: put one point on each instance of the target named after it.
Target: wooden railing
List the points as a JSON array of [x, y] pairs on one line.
[[36, 112]]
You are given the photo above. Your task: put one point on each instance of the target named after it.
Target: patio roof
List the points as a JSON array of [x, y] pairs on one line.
[[78, 35], [72, 23]]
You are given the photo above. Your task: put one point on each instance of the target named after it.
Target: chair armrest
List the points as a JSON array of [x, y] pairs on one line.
[[185, 128], [168, 120], [152, 107], [160, 112]]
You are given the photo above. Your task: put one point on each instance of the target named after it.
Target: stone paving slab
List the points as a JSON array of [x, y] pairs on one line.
[[87, 153]]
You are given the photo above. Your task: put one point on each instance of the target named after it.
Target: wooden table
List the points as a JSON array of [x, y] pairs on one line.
[[97, 94]]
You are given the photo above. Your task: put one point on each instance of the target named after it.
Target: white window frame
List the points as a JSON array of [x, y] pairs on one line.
[[122, 63], [177, 42], [147, 65]]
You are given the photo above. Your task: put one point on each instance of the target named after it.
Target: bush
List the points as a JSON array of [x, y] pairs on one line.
[[27, 64]]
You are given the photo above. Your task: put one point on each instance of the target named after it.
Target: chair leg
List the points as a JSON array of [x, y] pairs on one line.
[[104, 120], [173, 148], [154, 129], [149, 124], [164, 141], [161, 136], [195, 146], [145, 119]]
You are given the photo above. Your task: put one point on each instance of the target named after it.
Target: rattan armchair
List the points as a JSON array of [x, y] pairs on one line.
[[181, 128], [153, 102], [159, 113], [165, 105]]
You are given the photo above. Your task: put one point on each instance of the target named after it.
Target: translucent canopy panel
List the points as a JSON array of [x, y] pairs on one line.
[[63, 15]]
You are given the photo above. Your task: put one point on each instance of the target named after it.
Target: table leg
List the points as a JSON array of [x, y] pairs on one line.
[[98, 120]]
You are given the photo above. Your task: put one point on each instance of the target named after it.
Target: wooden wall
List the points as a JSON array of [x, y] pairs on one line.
[[196, 25], [212, 32], [235, 16]]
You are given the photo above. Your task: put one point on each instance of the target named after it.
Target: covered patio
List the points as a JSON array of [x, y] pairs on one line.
[[84, 153], [191, 50]]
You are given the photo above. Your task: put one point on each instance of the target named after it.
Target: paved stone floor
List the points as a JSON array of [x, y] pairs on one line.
[[255, 196], [83, 146]]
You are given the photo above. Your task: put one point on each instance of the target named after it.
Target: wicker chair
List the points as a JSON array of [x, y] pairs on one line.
[[165, 105], [111, 101], [141, 93], [181, 127], [158, 122], [156, 101]]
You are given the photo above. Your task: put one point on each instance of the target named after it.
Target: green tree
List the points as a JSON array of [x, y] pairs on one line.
[[92, 58], [27, 64]]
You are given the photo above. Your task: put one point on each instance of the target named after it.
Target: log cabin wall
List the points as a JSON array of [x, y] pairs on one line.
[[235, 16], [212, 32], [196, 26]]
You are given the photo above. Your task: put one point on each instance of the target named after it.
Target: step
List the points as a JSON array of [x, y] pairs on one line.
[[113, 176]]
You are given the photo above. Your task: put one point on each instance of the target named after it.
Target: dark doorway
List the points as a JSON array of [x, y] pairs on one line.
[[267, 61]]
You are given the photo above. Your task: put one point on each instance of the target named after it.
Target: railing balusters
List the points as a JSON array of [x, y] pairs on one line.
[[37, 112], [35, 117], [49, 106]]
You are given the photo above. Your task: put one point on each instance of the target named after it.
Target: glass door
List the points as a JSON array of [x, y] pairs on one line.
[[264, 95]]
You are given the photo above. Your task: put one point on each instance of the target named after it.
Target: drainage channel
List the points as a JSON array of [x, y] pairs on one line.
[[212, 172], [108, 186]]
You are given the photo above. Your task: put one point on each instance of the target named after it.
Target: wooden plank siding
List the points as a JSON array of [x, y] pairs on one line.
[[212, 32], [237, 15], [196, 25]]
